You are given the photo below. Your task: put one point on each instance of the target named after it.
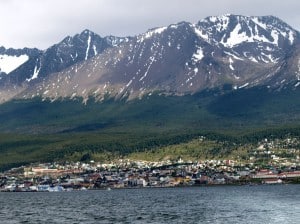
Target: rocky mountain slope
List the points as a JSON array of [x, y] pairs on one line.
[[20, 68], [229, 51]]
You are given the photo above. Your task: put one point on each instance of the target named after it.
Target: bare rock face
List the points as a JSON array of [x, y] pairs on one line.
[[184, 58]]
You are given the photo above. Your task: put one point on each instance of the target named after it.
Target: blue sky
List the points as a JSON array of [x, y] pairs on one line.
[[42, 23]]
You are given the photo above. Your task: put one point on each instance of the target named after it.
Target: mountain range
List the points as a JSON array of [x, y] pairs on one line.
[[184, 58], [226, 74]]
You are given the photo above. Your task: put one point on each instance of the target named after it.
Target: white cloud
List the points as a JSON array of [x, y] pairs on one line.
[[41, 23]]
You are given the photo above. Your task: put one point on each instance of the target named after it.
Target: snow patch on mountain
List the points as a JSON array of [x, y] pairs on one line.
[[88, 47], [155, 31], [35, 73], [234, 56], [201, 33], [231, 30], [152, 59], [230, 64], [152, 32], [243, 86], [274, 34], [9, 63], [298, 72], [268, 58], [236, 37], [261, 24], [291, 37], [198, 55], [95, 50]]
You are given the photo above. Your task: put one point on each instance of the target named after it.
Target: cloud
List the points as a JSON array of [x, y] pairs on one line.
[[36, 23]]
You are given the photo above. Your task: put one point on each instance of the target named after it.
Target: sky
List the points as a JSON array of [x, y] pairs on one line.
[[42, 23]]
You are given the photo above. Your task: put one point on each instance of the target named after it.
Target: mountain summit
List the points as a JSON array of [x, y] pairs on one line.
[[184, 58]]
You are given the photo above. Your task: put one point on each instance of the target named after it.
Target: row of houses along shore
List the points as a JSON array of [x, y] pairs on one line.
[[142, 174]]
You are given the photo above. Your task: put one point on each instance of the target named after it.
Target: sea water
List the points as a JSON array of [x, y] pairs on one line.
[[222, 204]]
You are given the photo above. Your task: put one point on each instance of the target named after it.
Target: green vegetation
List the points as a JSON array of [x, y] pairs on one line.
[[193, 150], [154, 127]]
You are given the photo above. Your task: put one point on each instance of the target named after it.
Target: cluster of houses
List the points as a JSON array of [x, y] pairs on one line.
[[139, 174]]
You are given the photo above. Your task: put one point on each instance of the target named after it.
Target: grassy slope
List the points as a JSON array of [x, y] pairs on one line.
[[43, 131]]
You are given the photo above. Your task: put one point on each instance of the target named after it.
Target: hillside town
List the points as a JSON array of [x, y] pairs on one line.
[[126, 173], [270, 162]]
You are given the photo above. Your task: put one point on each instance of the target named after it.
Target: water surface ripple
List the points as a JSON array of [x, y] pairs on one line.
[[229, 204]]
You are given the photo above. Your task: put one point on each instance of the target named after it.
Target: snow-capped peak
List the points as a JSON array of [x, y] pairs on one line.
[[9, 63], [231, 30], [151, 33]]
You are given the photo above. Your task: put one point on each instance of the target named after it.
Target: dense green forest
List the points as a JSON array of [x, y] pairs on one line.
[[22, 149], [39, 130]]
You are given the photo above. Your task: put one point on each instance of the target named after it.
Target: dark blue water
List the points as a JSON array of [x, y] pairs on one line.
[[230, 204]]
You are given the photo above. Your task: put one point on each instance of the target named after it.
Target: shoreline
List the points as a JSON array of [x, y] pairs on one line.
[[150, 187]]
